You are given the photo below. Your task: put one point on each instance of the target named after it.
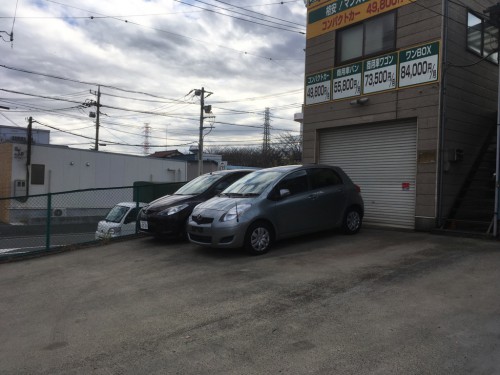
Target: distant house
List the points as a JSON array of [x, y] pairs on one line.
[[211, 162], [19, 135]]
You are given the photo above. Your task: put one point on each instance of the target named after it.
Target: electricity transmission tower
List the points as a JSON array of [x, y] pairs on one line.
[[147, 133], [267, 130]]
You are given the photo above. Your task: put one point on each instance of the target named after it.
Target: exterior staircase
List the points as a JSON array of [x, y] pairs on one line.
[[473, 210]]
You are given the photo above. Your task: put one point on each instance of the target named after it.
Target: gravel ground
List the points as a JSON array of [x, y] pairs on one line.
[[381, 302]]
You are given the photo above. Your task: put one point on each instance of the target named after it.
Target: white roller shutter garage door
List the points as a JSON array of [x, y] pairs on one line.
[[382, 160]]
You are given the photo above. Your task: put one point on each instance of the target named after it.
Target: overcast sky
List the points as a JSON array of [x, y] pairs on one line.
[[148, 56]]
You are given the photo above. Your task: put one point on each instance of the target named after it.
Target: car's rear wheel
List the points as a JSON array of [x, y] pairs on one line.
[[259, 238], [352, 220]]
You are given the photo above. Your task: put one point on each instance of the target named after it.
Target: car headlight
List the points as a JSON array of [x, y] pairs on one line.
[[173, 210], [235, 212], [114, 231]]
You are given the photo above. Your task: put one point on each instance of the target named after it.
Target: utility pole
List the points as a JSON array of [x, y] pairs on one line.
[[29, 137], [11, 37], [98, 104], [203, 109], [200, 142], [147, 134]]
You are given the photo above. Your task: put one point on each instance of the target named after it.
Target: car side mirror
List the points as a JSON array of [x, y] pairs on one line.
[[284, 193], [277, 195]]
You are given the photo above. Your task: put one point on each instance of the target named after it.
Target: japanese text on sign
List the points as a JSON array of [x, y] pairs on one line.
[[379, 74], [404, 68], [347, 81], [318, 88], [340, 13], [419, 65]]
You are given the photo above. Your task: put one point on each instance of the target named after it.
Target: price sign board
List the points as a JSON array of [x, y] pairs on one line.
[[347, 81], [379, 73], [325, 16], [318, 87], [419, 65]]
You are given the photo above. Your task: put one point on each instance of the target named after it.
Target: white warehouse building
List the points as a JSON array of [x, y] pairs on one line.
[[42, 169]]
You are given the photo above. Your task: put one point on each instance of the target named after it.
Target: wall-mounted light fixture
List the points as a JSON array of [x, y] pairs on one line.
[[71, 163], [360, 101], [87, 164]]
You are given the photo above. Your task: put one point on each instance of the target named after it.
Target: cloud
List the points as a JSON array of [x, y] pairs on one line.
[[148, 55]]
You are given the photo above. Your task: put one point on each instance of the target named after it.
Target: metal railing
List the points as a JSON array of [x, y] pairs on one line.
[[31, 225]]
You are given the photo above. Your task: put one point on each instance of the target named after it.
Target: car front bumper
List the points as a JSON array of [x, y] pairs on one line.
[[218, 234], [162, 226]]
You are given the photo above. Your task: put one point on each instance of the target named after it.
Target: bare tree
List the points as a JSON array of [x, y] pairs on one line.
[[286, 149], [290, 148]]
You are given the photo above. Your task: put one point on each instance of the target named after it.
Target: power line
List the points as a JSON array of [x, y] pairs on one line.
[[145, 93], [250, 126], [171, 33], [262, 14], [104, 141], [102, 105], [11, 35], [241, 19], [260, 97]]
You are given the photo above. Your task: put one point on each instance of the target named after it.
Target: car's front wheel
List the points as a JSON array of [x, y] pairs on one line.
[[352, 221], [259, 238]]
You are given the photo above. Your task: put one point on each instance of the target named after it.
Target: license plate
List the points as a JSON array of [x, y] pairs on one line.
[[197, 229], [144, 225]]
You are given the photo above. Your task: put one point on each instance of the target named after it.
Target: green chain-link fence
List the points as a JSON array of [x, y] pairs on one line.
[[50, 222]]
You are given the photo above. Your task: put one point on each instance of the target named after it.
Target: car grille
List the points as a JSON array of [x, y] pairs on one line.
[[202, 220], [201, 239]]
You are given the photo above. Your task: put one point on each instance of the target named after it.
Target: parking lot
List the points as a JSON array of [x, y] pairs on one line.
[[380, 302]]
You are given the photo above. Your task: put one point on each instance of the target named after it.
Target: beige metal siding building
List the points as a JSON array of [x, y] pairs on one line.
[[401, 94]]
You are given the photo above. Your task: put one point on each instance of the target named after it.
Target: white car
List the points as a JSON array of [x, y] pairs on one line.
[[120, 221]]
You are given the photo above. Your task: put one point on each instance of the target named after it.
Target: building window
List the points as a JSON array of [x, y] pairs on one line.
[[371, 37], [482, 38], [37, 174]]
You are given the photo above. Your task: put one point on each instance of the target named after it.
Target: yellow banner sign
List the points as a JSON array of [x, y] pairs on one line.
[[333, 15], [316, 3]]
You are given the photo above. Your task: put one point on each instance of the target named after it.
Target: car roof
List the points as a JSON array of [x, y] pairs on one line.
[[288, 168], [230, 171], [130, 204], [282, 168]]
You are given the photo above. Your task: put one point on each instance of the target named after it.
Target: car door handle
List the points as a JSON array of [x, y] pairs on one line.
[[316, 195]]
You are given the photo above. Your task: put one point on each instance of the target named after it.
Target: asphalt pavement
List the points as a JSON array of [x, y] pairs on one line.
[[380, 302]]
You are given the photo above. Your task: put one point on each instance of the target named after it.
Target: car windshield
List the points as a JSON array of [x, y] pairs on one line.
[[199, 184], [116, 214], [252, 184]]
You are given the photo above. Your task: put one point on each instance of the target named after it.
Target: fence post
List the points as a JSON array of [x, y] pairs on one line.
[[49, 217]]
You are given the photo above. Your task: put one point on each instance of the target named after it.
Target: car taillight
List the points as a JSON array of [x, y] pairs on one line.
[[358, 189]]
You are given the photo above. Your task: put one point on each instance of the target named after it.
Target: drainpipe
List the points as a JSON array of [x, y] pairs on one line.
[[497, 169], [494, 12], [442, 127]]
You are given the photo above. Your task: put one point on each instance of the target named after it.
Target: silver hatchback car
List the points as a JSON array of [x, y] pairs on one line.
[[276, 203]]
